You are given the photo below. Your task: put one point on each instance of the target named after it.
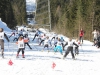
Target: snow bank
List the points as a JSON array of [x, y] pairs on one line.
[[4, 26], [43, 30]]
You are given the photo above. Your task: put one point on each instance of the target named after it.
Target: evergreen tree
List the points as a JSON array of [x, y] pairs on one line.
[[13, 12]]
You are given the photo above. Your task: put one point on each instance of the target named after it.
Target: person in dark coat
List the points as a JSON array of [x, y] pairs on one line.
[[36, 34], [77, 47], [70, 44], [2, 35], [98, 41]]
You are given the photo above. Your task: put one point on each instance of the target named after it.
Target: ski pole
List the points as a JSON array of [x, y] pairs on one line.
[[9, 51], [82, 49]]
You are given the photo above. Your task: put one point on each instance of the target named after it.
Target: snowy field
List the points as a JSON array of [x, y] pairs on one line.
[[37, 62], [40, 63]]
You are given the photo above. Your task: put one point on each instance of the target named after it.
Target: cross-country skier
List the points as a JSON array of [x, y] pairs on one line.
[[55, 41], [21, 47], [25, 33], [26, 40], [43, 37], [77, 47], [47, 43], [70, 44], [54, 36], [62, 42], [20, 32], [58, 47], [16, 36], [2, 35], [36, 34]]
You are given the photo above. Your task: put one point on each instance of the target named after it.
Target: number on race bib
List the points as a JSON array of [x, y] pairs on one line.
[[21, 45], [0, 36]]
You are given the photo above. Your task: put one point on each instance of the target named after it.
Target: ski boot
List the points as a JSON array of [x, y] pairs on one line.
[[23, 56]]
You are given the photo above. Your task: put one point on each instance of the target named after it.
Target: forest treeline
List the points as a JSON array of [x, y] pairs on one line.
[[67, 16], [13, 12]]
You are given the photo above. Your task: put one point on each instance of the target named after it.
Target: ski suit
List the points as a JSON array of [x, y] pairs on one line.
[[21, 46], [36, 34], [70, 44], [76, 47], [58, 47], [16, 36], [47, 43], [26, 40], [2, 35], [43, 37]]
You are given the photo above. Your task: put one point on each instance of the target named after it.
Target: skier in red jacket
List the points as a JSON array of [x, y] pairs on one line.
[[81, 34]]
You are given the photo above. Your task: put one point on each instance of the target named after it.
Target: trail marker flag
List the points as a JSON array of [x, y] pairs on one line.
[[53, 65], [10, 63]]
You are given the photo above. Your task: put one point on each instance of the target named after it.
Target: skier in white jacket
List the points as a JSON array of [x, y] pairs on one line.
[[2, 35]]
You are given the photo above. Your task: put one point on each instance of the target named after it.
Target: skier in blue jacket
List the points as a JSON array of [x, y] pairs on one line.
[[58, 47]]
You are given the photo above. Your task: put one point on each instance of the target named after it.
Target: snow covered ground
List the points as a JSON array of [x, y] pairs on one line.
[[40, 63]]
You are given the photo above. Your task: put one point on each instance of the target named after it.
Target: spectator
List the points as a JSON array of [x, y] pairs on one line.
[[95, 35], [81, 34]]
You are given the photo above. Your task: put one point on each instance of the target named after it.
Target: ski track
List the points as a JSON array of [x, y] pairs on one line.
[[37, 62]]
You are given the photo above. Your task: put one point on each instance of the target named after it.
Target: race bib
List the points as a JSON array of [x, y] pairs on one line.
[[2, 35], [20, 44]]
